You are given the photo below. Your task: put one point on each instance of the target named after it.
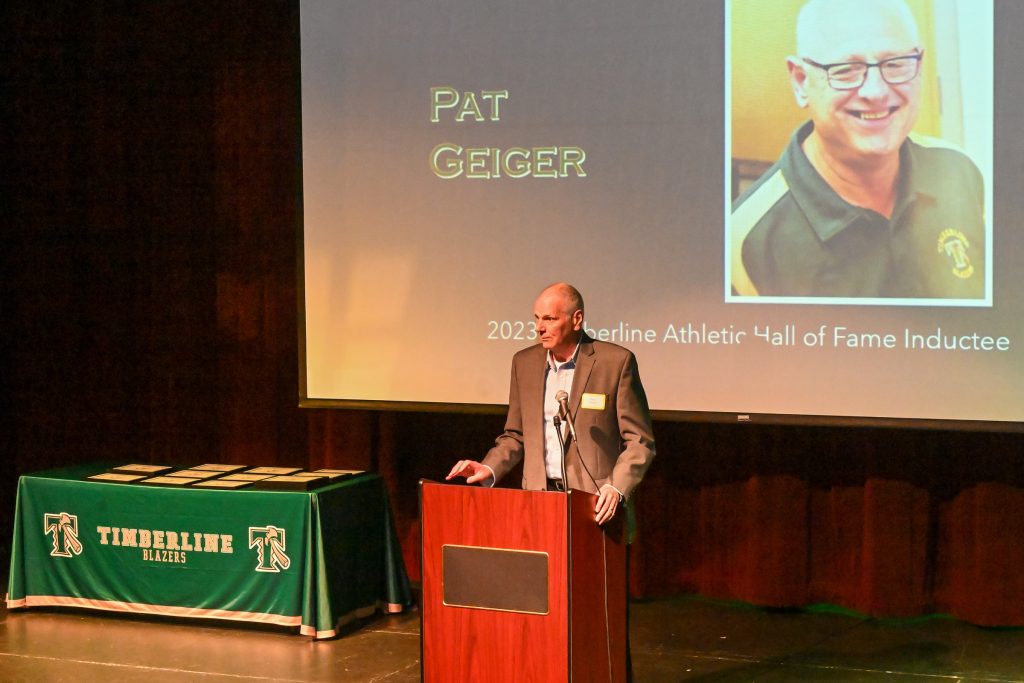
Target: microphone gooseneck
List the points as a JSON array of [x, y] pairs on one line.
[[563, 402]]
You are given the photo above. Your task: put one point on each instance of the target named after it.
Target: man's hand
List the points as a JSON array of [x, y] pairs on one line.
[[471, 470], [607, 504]]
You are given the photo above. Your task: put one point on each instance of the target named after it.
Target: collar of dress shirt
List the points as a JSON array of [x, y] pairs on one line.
[[571, 362]]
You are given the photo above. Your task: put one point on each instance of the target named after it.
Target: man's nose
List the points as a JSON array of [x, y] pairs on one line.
[[874, 85]]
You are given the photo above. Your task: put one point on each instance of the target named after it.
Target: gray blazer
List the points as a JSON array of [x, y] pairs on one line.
[[616, 440]]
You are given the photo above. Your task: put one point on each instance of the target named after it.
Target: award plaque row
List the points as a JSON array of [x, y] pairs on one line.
[[221, 476]]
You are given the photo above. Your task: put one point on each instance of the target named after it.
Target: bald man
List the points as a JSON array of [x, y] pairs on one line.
[[606, 400], [855, 207]]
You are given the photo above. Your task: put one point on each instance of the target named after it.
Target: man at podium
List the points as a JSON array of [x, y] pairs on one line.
[[577, 412]]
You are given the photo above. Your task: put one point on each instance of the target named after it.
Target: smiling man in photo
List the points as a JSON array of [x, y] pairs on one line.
[[855, 206]]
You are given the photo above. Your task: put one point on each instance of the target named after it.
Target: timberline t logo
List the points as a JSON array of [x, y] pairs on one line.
[[63, 529], [269, 542], [954, 244]]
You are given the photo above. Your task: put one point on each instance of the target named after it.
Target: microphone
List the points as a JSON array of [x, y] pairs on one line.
[[561, 442], [563, 403], [563, 409]]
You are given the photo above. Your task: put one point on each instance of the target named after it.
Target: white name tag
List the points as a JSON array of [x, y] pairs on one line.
[[592, 402]]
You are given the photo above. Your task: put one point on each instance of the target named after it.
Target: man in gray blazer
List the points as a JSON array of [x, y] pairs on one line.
[[605, 398]]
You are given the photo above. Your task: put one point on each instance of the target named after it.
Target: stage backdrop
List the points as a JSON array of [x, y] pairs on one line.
[[153, 161]]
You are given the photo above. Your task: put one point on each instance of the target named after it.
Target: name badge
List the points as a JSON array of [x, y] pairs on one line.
[[592, 402]]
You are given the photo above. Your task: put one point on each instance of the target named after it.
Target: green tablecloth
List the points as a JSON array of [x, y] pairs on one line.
[[311, 560]]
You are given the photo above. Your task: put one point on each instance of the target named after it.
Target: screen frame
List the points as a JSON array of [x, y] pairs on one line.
[[684, 416]]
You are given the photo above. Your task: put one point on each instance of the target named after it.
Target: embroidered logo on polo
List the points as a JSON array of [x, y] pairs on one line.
[[269, 542], [954, 244], [63, 529]]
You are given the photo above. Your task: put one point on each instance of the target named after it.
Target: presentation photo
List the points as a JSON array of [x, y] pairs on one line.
[[860, 153], [458, 159]]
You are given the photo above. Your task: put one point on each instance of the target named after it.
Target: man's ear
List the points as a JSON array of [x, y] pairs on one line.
[[577, 319], [797, 80]]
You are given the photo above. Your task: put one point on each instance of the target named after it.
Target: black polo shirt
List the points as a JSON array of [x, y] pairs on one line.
[[800, 238]]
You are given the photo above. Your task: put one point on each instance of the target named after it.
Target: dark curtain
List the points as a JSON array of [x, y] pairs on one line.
[[150, 314]]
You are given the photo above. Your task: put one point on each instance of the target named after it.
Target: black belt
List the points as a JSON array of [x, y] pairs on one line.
[[555, 484]]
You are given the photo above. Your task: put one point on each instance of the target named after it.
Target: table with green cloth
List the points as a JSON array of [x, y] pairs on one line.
[[307, 559]]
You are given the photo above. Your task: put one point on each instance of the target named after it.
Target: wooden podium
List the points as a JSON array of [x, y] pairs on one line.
[[520, 586]]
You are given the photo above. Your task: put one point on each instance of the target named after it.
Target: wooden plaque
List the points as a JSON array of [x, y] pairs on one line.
[[116, 477], [148, 470], [221, 484], [169, 481], [245, 476], [194, 474], [223, 469], [274, 471]]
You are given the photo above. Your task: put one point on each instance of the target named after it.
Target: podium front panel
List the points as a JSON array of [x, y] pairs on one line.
[[472, 644]]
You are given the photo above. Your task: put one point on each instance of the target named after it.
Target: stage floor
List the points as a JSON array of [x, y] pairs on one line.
[[679, 639]]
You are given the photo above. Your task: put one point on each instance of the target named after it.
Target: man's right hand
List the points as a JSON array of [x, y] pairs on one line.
[[472, 470]]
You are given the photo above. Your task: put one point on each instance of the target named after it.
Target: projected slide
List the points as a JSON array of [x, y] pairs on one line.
[[776, 218]]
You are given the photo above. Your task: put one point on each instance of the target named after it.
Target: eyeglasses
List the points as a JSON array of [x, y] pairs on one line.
[[851, 75]]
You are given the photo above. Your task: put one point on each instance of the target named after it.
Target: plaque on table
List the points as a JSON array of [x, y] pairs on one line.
[[337, 475], [245, 476], [221, 468], [117, 477], [136, 468], [292, 482], [274, 471], [178, 482], [194, 474], [221, 484]]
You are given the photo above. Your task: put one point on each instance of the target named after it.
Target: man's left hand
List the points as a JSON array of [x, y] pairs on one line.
[[607, 504]]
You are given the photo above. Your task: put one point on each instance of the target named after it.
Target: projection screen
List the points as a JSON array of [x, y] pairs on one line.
[[458, 156]]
